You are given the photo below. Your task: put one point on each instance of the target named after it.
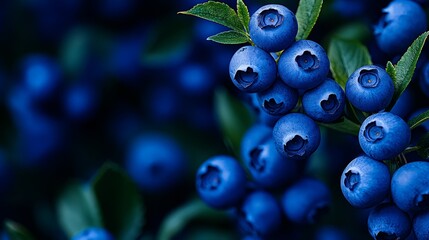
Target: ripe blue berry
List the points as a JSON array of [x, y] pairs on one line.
[[410, 188], [324, 103], [365, 182], [387, 221], [420, 225], [259, 214], [296, 136], [331, 233], [279, 99], [273, 27], [251, 69], [196, 79], [306, 201], [93, 233], [221, 182], [384, 135], [156, 162], [401, 23], [80, 101], [369, 88], [303, 65]]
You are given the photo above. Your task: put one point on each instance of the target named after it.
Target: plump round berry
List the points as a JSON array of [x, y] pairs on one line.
[[273, 27], [155, 162], [384, 135], [410, 186], [256, 135], [296, 136], [80, 101], [331, 233], [259, 214], [303, 65], [402, 22], [221, 182], [387, 221], [279, 99], [93, 233], [251, 69], [420, 225], [402, 105], [369, 88], [267, 167], [324, 103], [365, 182], [306, 201]]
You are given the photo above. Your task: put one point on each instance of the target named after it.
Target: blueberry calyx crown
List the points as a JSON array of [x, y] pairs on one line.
[[331, 104], [245, 224], [155, 169], [352, 180], [210, 179], [272, 106], [373, 133], [317, 212], [307, 61], [422, 201], [256, 162], [369, 78], [386, 236], [246, 78], [296, 146], [270, 18]]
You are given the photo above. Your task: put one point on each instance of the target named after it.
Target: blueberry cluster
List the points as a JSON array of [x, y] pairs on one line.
[[287, 83]]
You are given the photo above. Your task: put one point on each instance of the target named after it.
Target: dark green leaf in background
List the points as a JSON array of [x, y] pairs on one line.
[[229, 37], [233, 117], [390, 69], [182, 216], [243, 14], [77, 209], [217, 12], [307, 13], [406, 66], [345, 57], [16, 231], [119, 202], [416, 121], [343, 125]]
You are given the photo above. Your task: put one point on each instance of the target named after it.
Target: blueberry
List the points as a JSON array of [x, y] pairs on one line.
[[196, 79], [93, 233], [387, 221], [402, 105], [251, 69], [80, 101], [420, 225], [306, 201], [369, 88], [384, 135], [267, 167], [156, 162], [324, 103], [296, 136], [221, 182], [279, 99], [402, 22], [303, 65], [262, 116], [365, 182], [260, 214], [410, 186], [331, 233], [273, 27], [424, 79], [41, 76]]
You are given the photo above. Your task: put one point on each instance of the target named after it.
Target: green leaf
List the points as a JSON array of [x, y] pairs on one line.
[[16, 231], [182, 216], [406, 66], [391, 70], [229, 37], [343, 125], [423, 145], [358, 31], [234, 118], [119, 202], [416, 121], [307, 13], [345, 57], [77, 209], [243, 14], [216, 12]]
